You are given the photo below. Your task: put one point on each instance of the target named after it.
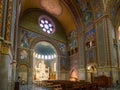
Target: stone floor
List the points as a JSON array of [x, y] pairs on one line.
[[32, 87]]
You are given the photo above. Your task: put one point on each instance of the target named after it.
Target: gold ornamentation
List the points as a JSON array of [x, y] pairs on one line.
[[7, 37], [5, 48]]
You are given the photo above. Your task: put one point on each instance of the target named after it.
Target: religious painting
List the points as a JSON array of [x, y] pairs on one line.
[[91, 56], [27, 37], [89, 39], [97, 8], [62, 48], [24, 38], [23, 55], [85, 9], [73, 43], [72, 34], [63, 62]]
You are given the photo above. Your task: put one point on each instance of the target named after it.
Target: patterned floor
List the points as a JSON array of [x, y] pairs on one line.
[[32, 87]]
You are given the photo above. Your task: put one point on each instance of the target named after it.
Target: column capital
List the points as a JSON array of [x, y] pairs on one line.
[[4, 47]]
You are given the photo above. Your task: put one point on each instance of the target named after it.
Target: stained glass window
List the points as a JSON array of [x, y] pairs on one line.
[[46, 24]]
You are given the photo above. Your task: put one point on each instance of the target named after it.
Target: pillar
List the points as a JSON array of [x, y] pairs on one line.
[[4, 62]]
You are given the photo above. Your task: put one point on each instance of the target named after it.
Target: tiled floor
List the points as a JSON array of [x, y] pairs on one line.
[[32, 87]]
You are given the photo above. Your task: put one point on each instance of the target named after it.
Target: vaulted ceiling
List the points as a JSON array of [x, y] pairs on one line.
[[74, 13]]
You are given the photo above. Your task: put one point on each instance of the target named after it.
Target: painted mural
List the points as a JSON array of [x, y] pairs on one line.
[[23, 55], [62, 48], [63, 63], [72, 34], [89, 39], [114, 5], [26, 37], [97, 8], [85, 9], [91, 56]]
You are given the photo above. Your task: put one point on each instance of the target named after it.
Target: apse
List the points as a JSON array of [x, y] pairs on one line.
[[44, 62]]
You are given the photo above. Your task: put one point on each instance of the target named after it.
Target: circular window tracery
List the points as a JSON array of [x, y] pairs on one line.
[[46, 24]]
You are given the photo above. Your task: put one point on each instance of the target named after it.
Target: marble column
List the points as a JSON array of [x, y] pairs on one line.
[[5, 74], [4, 71]]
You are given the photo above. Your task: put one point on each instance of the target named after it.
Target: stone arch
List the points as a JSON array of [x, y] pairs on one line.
[[50, 41]]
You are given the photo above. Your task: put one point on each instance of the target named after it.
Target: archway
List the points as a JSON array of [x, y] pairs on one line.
[[91, 71], [45, 64]]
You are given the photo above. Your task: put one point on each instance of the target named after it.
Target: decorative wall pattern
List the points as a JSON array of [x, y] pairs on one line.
[[1, 15], [85, 9], [8, 25], [97, 8], [114, 5]]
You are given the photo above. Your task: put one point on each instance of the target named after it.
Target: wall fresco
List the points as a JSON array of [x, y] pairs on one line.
[[97, 8], [62, 48], [26, 37], [91, 56], [23, 55], [90, 39], [85, 9]]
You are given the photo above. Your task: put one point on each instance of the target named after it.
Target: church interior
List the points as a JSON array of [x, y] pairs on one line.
[[59, 44]]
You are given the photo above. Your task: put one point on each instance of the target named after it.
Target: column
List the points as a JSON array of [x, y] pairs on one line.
[[4, 62]]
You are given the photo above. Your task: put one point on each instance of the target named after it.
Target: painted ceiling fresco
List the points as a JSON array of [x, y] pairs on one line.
[[52, 6], [75, 11]]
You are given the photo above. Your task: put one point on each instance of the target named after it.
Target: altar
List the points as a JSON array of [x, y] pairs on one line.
[[41, 72]]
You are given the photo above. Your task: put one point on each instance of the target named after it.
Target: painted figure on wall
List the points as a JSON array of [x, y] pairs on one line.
[[97, 7], [89, 39], [24, 55], [62, 48], [90, 55], [24, 39], [85, 9]]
